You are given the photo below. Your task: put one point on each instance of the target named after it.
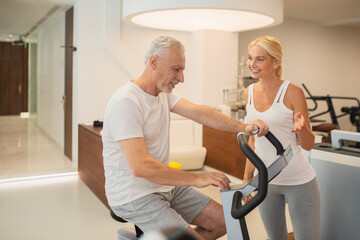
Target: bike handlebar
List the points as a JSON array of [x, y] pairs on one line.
[[237, 209]]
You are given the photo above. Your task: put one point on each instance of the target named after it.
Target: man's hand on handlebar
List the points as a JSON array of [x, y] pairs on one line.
[[256, 127], [218, 179]]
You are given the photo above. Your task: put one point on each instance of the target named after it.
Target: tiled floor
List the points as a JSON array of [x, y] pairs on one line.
[[58, 207], [25, 150]]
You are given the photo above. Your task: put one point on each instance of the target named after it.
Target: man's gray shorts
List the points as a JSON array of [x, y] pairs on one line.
[[158, 211]]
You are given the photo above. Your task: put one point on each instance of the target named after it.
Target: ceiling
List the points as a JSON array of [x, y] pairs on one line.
[[23, 17], [324, 12]]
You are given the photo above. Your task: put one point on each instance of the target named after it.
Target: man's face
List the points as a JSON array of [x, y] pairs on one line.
[[169, 71]]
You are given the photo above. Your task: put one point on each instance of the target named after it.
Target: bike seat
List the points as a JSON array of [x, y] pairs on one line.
[[116, 217]]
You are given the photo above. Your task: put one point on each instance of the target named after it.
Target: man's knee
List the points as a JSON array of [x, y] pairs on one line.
[[211, 218]]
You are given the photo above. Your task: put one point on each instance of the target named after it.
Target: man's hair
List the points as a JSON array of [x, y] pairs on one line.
[[160, 44]]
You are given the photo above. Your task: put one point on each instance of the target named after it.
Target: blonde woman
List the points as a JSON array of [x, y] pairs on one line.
[[282, 105]]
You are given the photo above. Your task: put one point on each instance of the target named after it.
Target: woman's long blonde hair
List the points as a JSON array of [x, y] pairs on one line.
[[273, 47]]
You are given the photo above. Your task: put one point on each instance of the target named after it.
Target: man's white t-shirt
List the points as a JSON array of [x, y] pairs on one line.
[[132, 113]]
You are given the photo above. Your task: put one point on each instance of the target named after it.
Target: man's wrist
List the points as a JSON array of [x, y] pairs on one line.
[[244, 125]]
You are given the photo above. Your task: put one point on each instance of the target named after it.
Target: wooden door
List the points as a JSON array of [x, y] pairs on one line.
[[13, 79], [67, 98]]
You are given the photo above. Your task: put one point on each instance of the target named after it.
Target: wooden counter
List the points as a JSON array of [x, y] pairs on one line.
[[223, 152], [91, 167]]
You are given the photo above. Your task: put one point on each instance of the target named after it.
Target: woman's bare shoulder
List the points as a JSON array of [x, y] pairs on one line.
[[295, 91]]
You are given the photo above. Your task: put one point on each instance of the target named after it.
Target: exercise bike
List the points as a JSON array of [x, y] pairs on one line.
[[234, 211]]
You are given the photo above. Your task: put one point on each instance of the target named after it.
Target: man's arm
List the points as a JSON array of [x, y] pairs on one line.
[[207, 116], [142, 165]]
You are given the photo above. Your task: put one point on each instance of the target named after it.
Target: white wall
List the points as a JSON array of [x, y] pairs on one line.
[[325, 59], [211, 60], [33, 81], [213, 57], [50, 75]]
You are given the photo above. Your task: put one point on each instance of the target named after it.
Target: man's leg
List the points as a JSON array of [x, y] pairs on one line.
[[210, 222], [199, 210], [152, 213]]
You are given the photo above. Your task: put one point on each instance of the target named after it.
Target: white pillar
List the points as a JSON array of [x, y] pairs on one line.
[[214, 55], [213, 59]]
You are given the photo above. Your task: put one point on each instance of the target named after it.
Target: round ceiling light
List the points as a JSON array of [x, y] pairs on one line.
[[225, 15], [209, 19]]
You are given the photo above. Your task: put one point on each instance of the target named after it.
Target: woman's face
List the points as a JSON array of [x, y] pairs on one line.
[[260, 63]]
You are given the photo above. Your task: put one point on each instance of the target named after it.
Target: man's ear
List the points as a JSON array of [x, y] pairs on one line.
[[153, 61]]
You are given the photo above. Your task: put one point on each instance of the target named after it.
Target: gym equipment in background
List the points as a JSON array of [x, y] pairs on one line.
[[337, 169], [234, 211], [353, 111]]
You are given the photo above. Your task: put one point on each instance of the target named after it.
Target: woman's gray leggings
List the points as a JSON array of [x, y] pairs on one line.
[[304, 208]]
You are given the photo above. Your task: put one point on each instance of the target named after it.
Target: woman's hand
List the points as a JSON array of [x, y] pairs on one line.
[[299, 122]]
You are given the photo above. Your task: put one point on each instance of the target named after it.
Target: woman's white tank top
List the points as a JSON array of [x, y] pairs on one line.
[[280, 121]]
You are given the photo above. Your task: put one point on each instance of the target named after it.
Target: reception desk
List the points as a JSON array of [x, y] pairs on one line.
[[91, 167]]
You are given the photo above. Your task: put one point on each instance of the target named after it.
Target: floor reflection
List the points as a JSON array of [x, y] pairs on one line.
[[26, 150]]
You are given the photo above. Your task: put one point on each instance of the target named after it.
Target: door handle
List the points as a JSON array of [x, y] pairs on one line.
[[19, 88], [63, 101]]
